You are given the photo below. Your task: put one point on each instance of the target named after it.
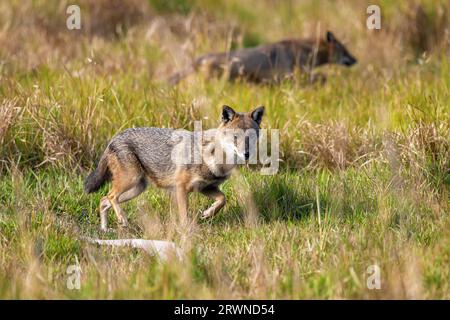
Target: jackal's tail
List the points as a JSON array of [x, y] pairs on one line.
[[98, 177]]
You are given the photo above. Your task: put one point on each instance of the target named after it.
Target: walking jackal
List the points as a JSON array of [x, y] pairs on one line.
[[271, 62], [163, 156]]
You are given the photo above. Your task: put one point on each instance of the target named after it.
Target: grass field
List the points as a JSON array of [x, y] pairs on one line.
[[364, 173]]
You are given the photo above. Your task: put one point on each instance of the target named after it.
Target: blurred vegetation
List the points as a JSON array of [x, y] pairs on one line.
[[367, 151], [173, 6]]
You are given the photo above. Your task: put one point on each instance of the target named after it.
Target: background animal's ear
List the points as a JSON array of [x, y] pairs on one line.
[[330, 36], [257, 114], [227, 114]]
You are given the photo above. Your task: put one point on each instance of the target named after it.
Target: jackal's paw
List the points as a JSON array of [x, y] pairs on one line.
[[123, 222], [206, 214]]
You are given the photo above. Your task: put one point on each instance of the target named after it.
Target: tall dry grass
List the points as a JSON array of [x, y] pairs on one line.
[[365, 156]]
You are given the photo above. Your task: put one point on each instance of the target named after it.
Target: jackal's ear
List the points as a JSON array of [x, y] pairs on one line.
[[330, 37], [227, 114], [257, 114]]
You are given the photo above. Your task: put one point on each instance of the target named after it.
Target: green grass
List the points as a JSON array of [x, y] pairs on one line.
[[288, 254], [364, 177]]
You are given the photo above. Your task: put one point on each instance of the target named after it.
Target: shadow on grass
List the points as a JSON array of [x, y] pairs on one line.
[[275, 199], [280, 201]]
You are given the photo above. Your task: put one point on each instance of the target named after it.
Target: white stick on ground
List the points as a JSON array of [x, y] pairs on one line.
[[162, 249]]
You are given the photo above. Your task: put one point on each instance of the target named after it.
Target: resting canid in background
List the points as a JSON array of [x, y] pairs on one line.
[[271, 62], [139, 155]]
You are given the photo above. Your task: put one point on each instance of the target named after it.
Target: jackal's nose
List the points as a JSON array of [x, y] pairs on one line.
[[349, 61], [247, 155]]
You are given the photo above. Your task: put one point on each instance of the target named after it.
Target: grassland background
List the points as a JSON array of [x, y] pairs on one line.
[[363, 180]]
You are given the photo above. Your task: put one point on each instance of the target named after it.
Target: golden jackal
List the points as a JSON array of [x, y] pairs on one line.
[[271, 62], [139, 155]]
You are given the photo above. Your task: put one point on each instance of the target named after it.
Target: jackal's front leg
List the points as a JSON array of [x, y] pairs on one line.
[[220, 201], [181, 197]]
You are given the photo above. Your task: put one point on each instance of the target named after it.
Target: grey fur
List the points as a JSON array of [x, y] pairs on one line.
[[137, 156], [271, 62]]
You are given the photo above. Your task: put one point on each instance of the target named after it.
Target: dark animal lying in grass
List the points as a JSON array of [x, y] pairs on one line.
[[271, 62]]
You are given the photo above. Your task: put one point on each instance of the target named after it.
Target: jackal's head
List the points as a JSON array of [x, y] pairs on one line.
[[337, 52], [238, 132]]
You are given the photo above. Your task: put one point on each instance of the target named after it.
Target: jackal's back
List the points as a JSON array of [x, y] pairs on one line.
[[152, 148]]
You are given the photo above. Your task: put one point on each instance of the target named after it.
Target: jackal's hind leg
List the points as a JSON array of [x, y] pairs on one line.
[[133, 192], [118, 194], [126, 196], [220, 201], [118, 210], [105, 205]]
